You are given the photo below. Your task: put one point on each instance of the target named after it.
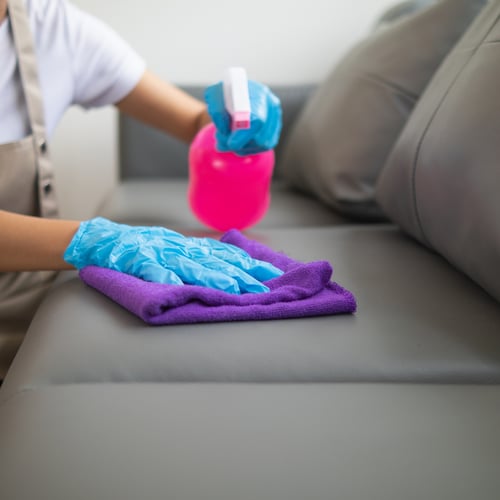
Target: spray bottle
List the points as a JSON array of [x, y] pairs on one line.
[[226, 190]]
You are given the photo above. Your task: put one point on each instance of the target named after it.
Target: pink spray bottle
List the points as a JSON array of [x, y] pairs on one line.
[[226, 190]]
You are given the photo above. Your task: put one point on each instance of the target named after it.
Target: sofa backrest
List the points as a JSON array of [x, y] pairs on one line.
[[148, 153]]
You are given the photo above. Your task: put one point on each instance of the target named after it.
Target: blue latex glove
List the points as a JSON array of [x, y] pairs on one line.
[[164, 256], [265, 120]]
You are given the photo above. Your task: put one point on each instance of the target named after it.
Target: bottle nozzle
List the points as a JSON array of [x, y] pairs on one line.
[[237, 98]]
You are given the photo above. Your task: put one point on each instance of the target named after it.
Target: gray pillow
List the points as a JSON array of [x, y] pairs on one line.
[[348, 127], [442, 180]]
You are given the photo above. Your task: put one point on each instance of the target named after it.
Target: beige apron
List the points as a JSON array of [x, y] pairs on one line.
[[26, 187]]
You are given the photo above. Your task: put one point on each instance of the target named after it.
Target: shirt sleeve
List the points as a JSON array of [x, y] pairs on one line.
[[105, 67]]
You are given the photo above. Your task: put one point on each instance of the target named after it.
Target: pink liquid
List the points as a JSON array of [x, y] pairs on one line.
[[227, 191]]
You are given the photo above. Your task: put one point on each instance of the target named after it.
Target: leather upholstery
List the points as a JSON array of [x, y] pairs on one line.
[[418, 320], [164, 202], [441, 181], [344, 134], [251, 441]]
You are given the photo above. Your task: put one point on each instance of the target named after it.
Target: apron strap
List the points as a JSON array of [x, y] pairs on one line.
[[26, 56]]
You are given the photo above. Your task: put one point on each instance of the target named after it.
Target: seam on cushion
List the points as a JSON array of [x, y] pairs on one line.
[[426, 129], [15, 394], [385, 83]]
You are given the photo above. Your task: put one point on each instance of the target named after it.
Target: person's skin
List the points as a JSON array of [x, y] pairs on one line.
[[165, 107], [33, 243]]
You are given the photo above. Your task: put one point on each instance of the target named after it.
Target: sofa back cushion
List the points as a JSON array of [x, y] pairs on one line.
[[442, 180], [348, 127]]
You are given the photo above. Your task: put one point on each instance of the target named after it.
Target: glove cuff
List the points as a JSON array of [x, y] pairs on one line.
[[88, 239]]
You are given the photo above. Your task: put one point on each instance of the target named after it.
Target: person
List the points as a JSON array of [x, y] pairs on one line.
[[53, 55]]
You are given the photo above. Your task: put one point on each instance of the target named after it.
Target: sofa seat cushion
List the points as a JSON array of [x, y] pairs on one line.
[[247, 442], [164, 202], [418, 320]]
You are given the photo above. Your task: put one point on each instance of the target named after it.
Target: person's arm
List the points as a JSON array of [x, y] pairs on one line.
[[32, 243], [151, 253], [165, 107]]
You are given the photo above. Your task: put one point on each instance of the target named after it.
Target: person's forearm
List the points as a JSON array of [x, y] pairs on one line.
[[165, 107], [32, 243], [3, 10]]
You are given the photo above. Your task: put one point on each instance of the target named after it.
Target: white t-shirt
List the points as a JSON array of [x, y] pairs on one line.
[[80, 61]]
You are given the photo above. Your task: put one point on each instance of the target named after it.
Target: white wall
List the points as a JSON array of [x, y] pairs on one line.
[[278, 41]]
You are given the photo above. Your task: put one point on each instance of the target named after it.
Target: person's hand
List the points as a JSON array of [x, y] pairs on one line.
[[161, 255], [265, 120]]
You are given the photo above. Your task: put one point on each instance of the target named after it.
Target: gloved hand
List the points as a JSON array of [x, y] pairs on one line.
[[164, 256], [265, 120]]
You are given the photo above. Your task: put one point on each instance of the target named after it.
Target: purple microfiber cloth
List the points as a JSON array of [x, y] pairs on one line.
[[303, 290]]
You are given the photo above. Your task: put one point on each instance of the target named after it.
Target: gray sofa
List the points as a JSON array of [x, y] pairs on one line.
[[399, 400]]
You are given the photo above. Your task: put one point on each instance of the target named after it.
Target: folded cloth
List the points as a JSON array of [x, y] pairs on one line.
[[304, 289]]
